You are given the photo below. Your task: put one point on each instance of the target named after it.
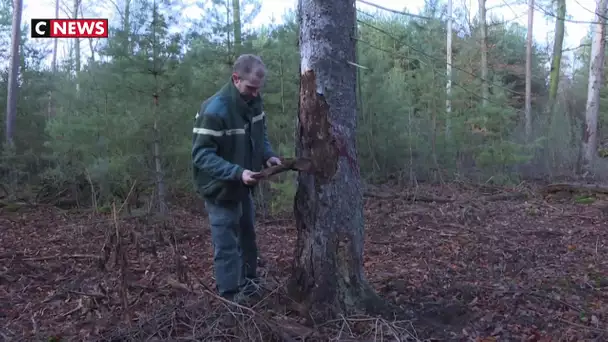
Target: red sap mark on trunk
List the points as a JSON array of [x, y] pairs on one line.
[[342, 147]]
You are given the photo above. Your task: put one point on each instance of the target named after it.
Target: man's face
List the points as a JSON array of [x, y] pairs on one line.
[[250, 86]]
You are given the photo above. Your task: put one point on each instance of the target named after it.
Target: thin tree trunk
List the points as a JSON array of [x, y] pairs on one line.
[[557, 55], [530, 40], [126, 26], [13, 88], [55, 41], [228, 5], [236, 23], [485, 90], [77, 47], [327, 276], [596, 70], [160, 182], [50, 110], [91, 47], [448, 87], [282, 78]]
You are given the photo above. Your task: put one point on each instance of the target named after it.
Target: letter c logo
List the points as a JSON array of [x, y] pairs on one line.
[[37, 28]]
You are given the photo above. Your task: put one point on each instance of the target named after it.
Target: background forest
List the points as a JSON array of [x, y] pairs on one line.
[[86, 127]]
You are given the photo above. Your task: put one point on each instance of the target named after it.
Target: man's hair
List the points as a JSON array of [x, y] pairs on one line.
[[247, 64]]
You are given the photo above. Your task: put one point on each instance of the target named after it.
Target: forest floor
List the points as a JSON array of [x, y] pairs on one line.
[[479, 264]]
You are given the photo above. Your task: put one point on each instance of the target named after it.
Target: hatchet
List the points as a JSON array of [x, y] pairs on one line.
[[288, 164]]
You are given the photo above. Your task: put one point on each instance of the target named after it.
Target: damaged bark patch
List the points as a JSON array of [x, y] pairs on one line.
[[315, 130]]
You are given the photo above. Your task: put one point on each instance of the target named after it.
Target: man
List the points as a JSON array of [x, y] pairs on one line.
[[230, 146]]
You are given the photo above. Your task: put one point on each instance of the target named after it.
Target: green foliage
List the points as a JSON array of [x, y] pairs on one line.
[[283, 194], [104, 134]]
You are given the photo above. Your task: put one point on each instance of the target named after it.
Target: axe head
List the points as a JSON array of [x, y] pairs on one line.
[[302, 164]]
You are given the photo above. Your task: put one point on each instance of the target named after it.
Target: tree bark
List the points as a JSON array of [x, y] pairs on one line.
[[327, 276], [596, 70]]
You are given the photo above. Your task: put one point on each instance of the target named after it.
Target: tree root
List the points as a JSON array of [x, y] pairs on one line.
[[374, 305]]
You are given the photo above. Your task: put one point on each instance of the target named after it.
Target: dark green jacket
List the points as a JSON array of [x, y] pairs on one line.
[[229, 136]]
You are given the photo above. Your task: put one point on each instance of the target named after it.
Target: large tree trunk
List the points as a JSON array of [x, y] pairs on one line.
[[596, 70], [327, 273]]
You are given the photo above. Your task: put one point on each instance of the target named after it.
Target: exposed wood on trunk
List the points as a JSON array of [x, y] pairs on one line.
[[327, 275]]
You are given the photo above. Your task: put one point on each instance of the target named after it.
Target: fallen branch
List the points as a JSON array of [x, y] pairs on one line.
[[430, 199], [574, 187], [504, 197], [300, 164], [408, 197], [50, 257], [14, 205]]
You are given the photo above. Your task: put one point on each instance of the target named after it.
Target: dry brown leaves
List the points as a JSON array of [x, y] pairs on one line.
[[480, 266]]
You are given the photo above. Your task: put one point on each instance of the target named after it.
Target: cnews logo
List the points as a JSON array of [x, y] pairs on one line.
[[69, 28]]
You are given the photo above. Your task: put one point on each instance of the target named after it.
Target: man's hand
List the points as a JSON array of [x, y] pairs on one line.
[[247, 177], [272, 161]]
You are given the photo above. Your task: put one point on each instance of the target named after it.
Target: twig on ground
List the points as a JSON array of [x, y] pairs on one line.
[[603, 331], [76, 309]]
